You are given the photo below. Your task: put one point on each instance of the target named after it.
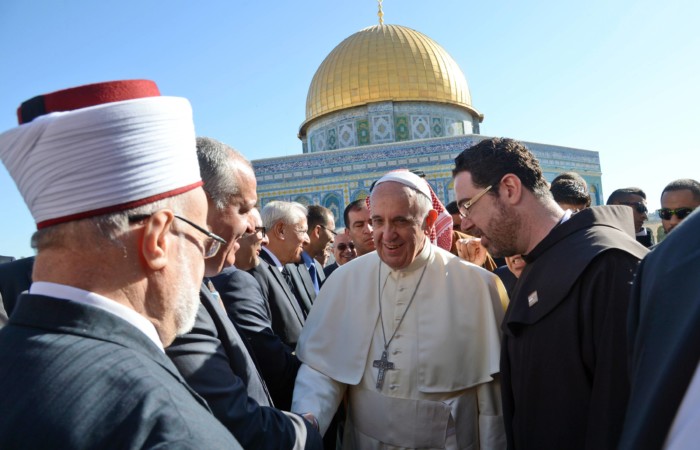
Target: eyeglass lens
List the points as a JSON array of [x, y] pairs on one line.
[[681, 213], [343, 247]]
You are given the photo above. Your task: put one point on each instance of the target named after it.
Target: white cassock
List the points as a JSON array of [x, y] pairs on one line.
[[443, 391]]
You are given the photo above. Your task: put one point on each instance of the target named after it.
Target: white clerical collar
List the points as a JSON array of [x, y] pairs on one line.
[[62, 291], [277, 262]]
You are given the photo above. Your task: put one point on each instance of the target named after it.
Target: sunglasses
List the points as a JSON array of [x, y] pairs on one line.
[[343, 247], [640, 207], [681, 213]]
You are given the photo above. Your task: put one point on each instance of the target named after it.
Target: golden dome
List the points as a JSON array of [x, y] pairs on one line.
[[386, 63]]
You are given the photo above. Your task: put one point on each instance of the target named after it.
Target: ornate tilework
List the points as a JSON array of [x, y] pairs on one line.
[[363, 132], [332, 141], [401, 127], [346, 135], [436, 128], [420, 127], [303, 199], [319, 141], [382, 129]]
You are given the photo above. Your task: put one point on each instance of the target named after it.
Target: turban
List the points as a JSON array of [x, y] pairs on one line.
[[441, 231], [99, 149]]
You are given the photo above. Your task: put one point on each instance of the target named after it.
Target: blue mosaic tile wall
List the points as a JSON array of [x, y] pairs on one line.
[[335, 178]]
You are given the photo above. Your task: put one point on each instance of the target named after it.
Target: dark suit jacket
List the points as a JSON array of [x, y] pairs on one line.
[[304, 283], [287, 316], [214, 360], [246, 307], [328, 270], [663, 335], [15, 278], [75, 376]]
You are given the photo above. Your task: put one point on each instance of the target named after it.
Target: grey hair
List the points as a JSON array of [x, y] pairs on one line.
[[218, 171], [285, 212], [108, 226]]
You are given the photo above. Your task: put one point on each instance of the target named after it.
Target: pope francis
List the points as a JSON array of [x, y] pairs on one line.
[[409, 334]]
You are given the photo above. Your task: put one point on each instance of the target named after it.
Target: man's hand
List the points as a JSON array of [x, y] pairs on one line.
[[472, 250], [312, 420]]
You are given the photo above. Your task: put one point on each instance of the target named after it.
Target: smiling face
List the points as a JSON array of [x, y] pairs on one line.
[[488, 218], [232, 221], [344, 249], [295, 237], [397, 223], [248, 254]]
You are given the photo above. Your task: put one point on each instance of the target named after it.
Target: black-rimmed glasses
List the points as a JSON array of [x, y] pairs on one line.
[[464, 206], [681, 213], [640, 207], [342, 247], [261, 232], [211, 245], [328, 229]]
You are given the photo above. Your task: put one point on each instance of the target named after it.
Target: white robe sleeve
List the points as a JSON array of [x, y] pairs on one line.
[[492, 435], [317, 394]]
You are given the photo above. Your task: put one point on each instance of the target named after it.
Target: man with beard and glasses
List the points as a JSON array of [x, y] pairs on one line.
[[214, 358], [408, 335], [109, 172], [563, 358]]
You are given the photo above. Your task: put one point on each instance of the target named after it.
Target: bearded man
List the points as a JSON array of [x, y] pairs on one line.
[[564, 354]]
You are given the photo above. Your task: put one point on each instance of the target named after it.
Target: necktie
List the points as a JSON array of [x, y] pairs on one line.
[[314, 276], [288, 279]]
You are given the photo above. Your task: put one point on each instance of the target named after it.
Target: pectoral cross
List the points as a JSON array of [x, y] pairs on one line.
[[383, 365]]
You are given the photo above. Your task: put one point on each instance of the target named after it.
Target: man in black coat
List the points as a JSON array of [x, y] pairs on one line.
[[119, 258], [213, 357], [15, 278], [564, 377], [250, 312], [664, 331], [285, 223]]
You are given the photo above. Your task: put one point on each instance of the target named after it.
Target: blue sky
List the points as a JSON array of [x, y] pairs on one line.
[[621, 77]]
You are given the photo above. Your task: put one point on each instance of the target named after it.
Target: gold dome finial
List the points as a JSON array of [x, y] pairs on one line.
[[380, 13]]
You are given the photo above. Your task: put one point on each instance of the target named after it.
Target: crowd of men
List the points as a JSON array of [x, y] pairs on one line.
[[166, 308]]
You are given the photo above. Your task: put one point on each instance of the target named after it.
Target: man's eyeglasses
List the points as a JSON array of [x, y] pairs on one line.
[[261, 232], [681, 213], [464, 206], [328, 229], [640, 207], [342, 247], [211, 245]]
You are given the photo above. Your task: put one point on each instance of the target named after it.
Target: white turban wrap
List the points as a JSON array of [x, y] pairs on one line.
[[104, 158]]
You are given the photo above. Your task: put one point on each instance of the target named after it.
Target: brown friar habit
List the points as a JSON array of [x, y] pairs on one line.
[[563, 358]]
